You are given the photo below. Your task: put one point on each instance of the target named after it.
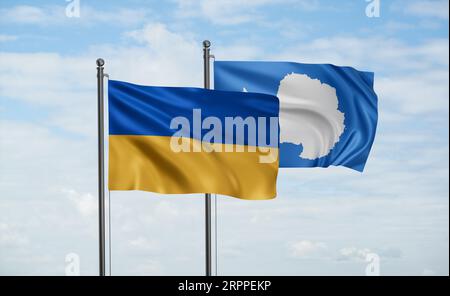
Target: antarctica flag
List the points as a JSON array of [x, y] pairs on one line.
[[178, 140], [328, 114]]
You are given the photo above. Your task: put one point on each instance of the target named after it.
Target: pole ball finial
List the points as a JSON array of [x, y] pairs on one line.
[[100, 62], [206, 44]]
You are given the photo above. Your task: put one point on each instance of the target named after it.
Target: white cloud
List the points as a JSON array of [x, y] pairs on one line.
[[426, 8], [124, 16], [360, 254], [307, 249], [234, 12], [6, 38], [24, 14], [428, 272], [86, 203], [394, 26], [413, 79], [362, 53], [390, 253], [352, 253], [45, 166], [147, 268], [49, 80], [307, 5], [45, 78], [165, 58], [416, 93], [51, 15], [143, 244], [240, 50], [224, 12], [10, 237]]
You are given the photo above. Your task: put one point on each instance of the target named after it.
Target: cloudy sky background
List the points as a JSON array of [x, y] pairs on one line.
[[323, 222]]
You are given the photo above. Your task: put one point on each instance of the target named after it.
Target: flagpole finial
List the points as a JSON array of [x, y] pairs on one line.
[[206, 43], [100, 62]]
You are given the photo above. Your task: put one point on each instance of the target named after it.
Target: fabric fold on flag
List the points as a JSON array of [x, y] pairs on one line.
[[177, 140]]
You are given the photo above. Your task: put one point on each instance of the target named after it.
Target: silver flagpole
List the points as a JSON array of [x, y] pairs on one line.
[[206, 76], [101, 167]]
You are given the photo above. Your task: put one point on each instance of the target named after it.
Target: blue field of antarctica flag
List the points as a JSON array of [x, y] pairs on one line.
[[328, 114]]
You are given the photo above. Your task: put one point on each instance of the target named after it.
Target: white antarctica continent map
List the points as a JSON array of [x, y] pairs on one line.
[[309, 115]]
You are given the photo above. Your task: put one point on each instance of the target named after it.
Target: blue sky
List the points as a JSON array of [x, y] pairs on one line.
[[323, 222]]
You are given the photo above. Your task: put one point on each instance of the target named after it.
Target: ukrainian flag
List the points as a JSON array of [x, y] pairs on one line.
[[177, 140]]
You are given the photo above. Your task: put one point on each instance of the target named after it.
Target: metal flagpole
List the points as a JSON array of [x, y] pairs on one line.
[[206, 76], [101, 167]]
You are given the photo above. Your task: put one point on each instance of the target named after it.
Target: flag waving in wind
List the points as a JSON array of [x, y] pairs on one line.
[[328, 114], [191, 140]]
